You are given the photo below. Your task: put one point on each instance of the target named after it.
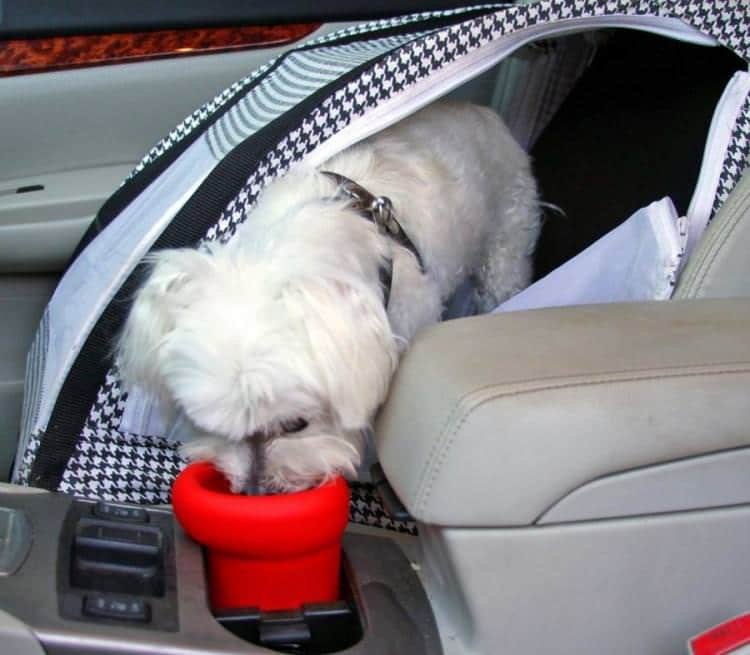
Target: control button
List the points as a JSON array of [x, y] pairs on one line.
[[123, 544], [105, 510], [117, 607], [118, 557], [146, 537]]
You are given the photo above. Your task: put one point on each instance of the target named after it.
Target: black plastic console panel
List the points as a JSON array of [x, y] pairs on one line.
[[116, 565], [395, 614]]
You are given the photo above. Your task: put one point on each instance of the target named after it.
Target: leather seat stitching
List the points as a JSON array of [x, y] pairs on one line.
[[425, 496], [435, 448]]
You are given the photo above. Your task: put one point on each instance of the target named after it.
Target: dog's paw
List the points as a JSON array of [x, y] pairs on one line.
[[233, 459]]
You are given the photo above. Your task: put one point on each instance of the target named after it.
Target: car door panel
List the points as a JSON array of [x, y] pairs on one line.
[[67, 140]]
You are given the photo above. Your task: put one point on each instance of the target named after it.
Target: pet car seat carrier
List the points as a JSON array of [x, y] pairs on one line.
[[81, 434]]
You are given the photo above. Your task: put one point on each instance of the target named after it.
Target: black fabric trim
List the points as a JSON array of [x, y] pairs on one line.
[[133, 187], [186, 229]]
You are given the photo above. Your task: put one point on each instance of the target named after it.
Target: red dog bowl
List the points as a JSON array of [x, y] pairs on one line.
[[272, 552]]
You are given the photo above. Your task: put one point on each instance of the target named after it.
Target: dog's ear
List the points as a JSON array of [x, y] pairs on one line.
[[352, 344], [151, 317]]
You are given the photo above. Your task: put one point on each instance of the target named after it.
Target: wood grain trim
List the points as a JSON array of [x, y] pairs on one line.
[[20, 56]]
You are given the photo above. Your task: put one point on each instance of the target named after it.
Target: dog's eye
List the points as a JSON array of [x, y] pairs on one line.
[[294, 425]]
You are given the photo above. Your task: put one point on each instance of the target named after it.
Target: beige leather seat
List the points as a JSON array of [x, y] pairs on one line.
[[720, 267], [581, 475]]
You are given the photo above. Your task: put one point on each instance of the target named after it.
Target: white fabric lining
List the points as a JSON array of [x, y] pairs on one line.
[[641, 258], [638, 260]]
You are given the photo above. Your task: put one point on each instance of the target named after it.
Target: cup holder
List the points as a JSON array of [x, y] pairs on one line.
[[313, 629]]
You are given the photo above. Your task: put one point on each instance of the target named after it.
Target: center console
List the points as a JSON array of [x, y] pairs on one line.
[[80, 576]]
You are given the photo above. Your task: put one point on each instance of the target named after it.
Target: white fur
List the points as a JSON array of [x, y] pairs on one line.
[[286, 319]]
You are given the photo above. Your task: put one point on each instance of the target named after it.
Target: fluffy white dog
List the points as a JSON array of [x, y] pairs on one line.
[[284, 336]]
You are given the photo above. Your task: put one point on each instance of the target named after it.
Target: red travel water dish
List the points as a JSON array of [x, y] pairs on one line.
[[273, 552]]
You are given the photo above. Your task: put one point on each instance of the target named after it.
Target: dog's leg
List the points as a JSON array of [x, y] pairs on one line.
[[506, 264], [501, 275]]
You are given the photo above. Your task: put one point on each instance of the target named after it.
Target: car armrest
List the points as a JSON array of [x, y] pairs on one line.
[[492, 420]]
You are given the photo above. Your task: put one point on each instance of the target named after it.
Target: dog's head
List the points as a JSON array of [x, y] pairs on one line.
[[244, 346]]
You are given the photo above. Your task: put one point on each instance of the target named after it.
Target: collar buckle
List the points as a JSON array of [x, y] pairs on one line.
[[382, 213], [379, 210]]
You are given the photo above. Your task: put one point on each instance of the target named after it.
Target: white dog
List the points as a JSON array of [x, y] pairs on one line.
[[285, 335]]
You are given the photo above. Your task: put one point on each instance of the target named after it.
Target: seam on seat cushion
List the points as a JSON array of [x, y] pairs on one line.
[[635, 469], [423, 496], [435, 449]]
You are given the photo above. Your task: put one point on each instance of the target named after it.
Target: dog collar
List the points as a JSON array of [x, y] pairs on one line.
[[379, 210]]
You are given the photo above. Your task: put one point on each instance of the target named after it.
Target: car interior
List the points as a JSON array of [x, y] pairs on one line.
[[571, 479]]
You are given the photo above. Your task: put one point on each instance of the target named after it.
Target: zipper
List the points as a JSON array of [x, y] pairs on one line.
[[452, 75]]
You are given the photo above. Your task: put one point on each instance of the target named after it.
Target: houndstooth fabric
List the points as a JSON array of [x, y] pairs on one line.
[[115, 465], [419, 59], [366, 508], [203, 114], [124, 467], [737, 158], [302, 74], [27, 460], [726, 20]]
